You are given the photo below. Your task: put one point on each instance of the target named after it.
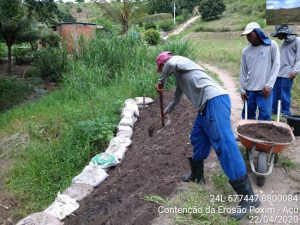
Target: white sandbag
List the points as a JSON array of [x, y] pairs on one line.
[[140, 100], [132, 105], [125, 128], [120, 141], [127, 121], [124, 133], [126, 112], [40, 218], [105, 160], [78, 191], [91, 175], [63, 206], [117, 150]]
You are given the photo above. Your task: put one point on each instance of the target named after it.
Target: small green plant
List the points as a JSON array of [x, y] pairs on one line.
[[221, 183], [152, 36], [99, 131], [284, 161]]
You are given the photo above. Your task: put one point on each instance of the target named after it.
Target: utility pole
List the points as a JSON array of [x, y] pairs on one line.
[[174, 12]]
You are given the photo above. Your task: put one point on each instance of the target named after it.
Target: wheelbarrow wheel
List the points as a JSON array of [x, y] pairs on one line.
[[261, 168]]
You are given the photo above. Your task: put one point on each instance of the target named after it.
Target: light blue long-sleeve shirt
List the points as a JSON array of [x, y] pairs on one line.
[[289, 57], [191, 80], [259, 67]]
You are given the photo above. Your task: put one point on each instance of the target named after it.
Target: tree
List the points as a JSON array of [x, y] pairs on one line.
[[158, 6], [15, 26], [11, 15], [123, 13], [211, 9], [44, 11], [186, 5]]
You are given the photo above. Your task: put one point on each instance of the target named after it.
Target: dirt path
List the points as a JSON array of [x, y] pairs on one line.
[[283, 182], [182, 27]]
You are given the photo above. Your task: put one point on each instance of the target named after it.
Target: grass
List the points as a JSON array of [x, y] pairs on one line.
[[198, 204], [285, 162], [12, 92], [56, 136], [52, 139]]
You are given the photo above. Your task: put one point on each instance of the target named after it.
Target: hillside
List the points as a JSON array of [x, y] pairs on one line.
[[280, 16]]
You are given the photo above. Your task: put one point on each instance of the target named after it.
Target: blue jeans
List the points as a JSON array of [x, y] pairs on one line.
[[257, 100], [282, 91], [212, 128]]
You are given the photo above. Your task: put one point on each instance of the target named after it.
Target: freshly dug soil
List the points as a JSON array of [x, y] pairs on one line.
[[266, 132], [152, 166]]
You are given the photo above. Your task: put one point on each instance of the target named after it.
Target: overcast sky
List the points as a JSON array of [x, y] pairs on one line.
[[277, 4]]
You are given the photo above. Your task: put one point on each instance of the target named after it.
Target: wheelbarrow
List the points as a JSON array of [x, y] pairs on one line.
[[267, 151]]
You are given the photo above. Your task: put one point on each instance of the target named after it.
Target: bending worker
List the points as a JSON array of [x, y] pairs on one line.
[[211, 128], [289, 67], [259, 69]]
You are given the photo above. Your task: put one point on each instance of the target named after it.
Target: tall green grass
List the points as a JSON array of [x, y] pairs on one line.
[[66, 128]]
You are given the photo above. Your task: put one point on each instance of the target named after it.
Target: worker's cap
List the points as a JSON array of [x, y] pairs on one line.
[[250, 27], [282, 29], [161, 58]]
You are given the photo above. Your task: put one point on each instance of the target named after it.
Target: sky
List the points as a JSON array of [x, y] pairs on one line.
[[277, 4]]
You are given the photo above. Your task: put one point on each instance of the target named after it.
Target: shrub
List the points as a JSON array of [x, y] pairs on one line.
[[150, 25], [152, 36], [167, 25], [50, 40], [99, 131], [79, 10], [211, 9], [23, 55], [49, 63]]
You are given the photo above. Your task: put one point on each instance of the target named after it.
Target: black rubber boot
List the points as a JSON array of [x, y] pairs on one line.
[[196, 174], [243, 187]]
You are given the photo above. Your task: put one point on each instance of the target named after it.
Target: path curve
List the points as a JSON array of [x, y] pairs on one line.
[[182, 27]]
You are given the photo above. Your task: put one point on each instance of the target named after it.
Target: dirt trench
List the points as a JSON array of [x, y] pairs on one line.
[[152, 166]]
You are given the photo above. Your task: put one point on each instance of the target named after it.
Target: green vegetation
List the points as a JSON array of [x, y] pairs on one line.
[[11, 91], [152, 37], [51, 139], [69, 126], [197, 203], [211, 9], [235, 17], [285, 162], [283, 16]]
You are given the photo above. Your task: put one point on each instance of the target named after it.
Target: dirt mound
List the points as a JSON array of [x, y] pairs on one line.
[[152, 166], [266, 132]]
